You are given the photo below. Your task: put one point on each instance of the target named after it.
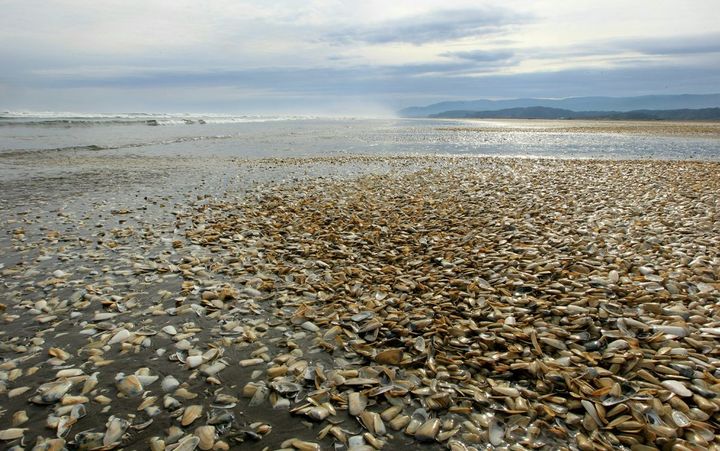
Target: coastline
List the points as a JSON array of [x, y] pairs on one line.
[[648, 128], [469, 284]]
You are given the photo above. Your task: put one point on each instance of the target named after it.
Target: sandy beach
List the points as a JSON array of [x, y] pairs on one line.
[[448, 301]]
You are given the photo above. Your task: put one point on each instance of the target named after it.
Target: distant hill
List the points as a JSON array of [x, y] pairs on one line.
[[619, 104], [540, 112]]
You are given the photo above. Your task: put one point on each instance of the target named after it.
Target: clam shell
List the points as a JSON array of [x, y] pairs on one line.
[[116, 427], [130, 386], [191, 414], [12, 434], [206, 434]]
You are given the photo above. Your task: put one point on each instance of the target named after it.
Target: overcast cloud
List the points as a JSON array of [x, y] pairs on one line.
[[333, 56]]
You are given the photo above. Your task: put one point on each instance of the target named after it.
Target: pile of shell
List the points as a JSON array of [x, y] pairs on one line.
[[493, 301], [475, 303]]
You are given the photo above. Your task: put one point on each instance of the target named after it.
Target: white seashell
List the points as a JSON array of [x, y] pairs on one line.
[[677, 387], [213, 369], [169, 383], [678, 331], [170, 330], [146, 380], [120, 336], [194, 361]]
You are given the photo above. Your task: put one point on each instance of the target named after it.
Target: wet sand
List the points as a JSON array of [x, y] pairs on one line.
[[648, 128], [495, 301]]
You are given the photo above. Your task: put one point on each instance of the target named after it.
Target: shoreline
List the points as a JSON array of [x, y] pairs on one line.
[[700, 129], [425, 282]]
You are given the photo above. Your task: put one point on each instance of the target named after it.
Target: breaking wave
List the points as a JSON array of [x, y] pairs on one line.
[[54, 119], [96, 147]]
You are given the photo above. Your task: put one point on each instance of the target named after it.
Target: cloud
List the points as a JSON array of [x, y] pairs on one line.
[[676, 45], [170, 53], [435, 26], [482, 56]]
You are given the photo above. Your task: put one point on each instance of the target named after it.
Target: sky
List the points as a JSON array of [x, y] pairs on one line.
[[367, 57]]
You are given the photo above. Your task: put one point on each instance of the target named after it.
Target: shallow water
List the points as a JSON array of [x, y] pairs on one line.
[[275, 136]]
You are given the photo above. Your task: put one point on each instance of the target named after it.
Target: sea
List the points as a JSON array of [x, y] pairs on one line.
[[281, 136]]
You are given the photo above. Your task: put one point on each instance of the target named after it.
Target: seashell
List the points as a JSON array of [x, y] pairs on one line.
[[496, 433], [680, 419], [171, 403], [428, 430], [51, 392], [12, 434], [146, 379], [259, 396], [317, 413], [156, 444], [191, 414], [71, 400], [506, 391], [399, 422], [120, 336], [372, 422], [115, 428], [130, 386], [20, 417], [169, 383], [187, 443], [251, 362], [592, 411], [389, 357], [356, 403], [17, 391], [221, 418], [285, 387], [184, 393], [213, 369], [147, 402], [194, 361], [87, 441], [391, 412], [307, 325], [300, 445], [677, 387], [64, 424], [90, 384], [677, 331], [170, 330], [206, 434]]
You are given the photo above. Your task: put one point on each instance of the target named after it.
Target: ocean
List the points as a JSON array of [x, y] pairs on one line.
[[272, 136]]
